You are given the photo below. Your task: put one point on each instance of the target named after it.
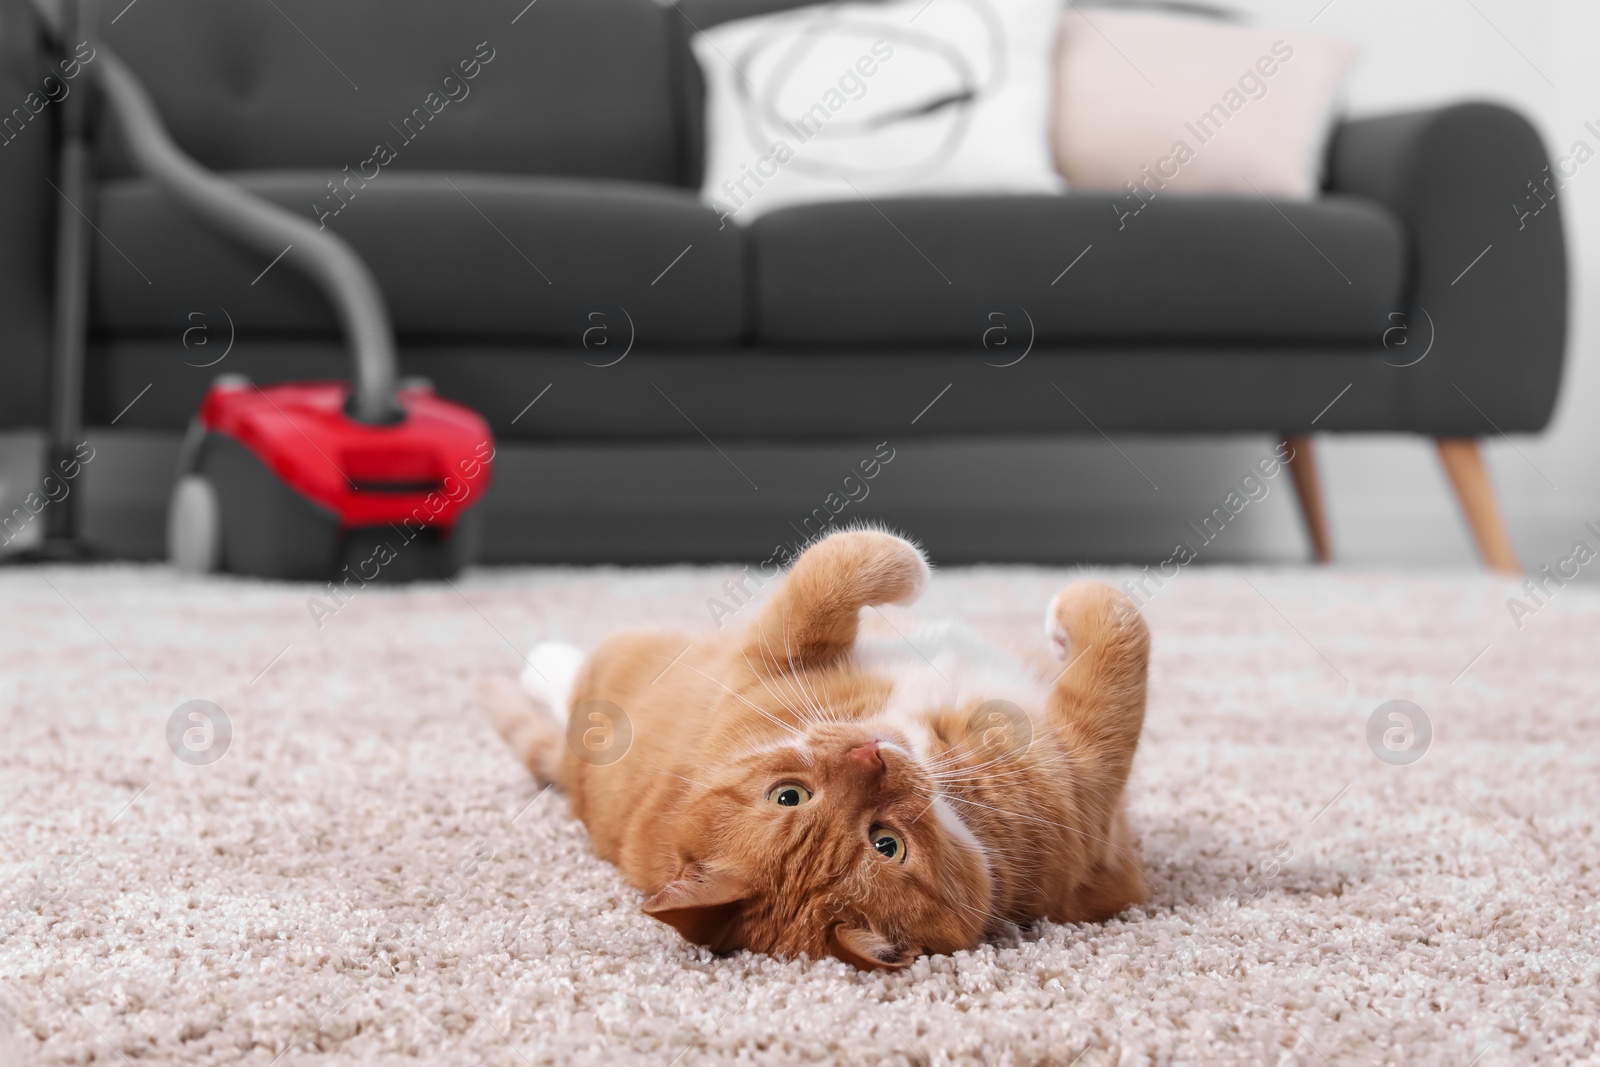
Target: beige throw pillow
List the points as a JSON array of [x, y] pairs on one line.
[[1186, 105]]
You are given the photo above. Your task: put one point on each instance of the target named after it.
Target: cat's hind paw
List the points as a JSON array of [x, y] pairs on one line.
[[1084, 610]]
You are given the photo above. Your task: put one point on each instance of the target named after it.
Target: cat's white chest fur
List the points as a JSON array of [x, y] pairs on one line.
[[940, 665]]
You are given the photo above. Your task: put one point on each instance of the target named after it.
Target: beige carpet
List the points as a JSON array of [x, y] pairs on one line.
[[365, 876]]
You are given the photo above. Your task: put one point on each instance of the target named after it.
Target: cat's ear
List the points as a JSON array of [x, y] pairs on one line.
[[701, 904], [868, 950]]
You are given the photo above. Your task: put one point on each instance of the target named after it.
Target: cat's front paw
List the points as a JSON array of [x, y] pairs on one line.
[[878, 567]]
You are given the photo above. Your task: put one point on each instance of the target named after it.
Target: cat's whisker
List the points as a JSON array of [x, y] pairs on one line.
[[959, 762], [772, 667], [1046, 822], [974, 772], [952, 757], [995, 779], [826, 713], [787, 699], [946, 781], [780, 669], [751, 741], [986, 914], [798, 680], [1038, 731], [1023, 767], [795, 694], [675, 774], [967, 746], [752, 706]]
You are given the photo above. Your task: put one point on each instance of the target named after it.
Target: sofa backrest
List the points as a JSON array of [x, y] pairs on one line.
[[579, 88]]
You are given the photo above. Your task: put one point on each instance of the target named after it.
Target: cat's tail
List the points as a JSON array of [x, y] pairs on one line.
[[531, 713]]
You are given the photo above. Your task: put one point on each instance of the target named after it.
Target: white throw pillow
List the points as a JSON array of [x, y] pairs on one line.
[[1201, 106], [841, 101]]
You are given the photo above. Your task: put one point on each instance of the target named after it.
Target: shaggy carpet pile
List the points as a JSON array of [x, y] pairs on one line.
[[347, 866]]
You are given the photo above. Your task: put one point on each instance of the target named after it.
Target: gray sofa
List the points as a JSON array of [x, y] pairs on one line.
[[543, 219]]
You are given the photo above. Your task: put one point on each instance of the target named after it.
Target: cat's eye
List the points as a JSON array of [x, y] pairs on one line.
[[788, 795], [888, 844]]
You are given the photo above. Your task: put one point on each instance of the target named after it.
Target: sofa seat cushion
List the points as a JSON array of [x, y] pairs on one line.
[[457, 255], [1080, 267]]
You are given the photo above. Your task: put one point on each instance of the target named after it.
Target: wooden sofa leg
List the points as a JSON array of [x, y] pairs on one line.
[[1469, 477], [1303, 466]]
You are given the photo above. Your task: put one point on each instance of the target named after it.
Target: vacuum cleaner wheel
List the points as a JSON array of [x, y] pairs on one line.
[[194, 525]]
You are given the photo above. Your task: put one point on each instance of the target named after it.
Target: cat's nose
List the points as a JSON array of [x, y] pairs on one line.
[[867, 756]]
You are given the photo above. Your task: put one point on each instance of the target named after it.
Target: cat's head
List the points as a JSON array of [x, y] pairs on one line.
[[829, 842]]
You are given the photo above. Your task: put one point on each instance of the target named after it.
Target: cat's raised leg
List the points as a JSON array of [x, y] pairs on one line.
[[1096, 705], [1097, 701], [813, 618]]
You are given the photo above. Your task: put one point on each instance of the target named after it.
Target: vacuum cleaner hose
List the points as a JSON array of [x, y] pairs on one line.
[[267, 228]]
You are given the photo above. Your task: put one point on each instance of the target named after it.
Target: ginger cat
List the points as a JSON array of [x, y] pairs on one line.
[[803, 787]]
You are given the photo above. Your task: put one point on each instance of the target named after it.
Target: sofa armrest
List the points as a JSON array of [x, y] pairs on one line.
[[1488, 275]]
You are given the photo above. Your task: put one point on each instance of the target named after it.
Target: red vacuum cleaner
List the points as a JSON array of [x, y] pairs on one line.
[[282, 481], [375, 478]]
